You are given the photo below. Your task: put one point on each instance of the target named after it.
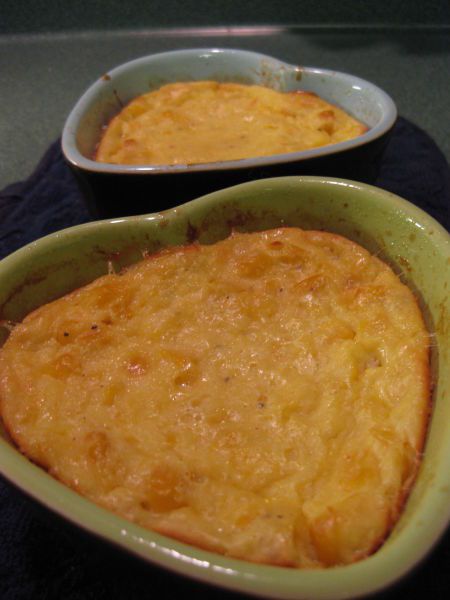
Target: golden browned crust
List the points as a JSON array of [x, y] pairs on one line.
[[265, 397], [206, 121]]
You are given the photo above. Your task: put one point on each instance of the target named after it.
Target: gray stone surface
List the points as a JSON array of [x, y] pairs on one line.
[[54, 15], [42, 75]]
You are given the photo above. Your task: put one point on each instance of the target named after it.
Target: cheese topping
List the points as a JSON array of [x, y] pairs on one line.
[[206, 121], [264, 397]]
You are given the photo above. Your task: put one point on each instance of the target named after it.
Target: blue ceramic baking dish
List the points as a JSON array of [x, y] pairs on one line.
[[116, 190]]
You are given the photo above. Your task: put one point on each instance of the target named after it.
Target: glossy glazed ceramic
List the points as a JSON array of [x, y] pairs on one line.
[[415, 245], [116, 190]]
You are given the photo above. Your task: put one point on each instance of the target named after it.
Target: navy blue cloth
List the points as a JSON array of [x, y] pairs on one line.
[[41, 556], [413, 167], [47, 201]]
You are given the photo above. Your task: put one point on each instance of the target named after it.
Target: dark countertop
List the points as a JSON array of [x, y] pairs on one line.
[[42, 75]]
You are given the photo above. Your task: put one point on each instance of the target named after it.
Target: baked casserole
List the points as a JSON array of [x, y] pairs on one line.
[[207, 121], [265, 397]]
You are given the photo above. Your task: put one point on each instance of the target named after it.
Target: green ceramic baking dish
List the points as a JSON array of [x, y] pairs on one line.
[[415, 245]]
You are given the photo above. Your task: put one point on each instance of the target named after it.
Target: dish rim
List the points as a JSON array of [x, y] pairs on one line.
[[367, 576], [77, 159]]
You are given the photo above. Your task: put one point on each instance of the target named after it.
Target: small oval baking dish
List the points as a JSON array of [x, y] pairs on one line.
[[403, 235], [115, 190]]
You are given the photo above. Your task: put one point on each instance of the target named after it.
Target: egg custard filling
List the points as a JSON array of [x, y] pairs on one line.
[[206, 121], [264, 397]]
